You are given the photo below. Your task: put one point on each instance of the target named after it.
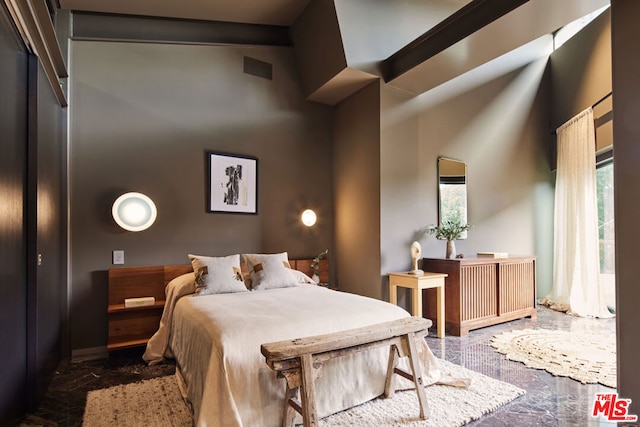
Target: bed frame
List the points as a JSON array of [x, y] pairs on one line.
[[133, 326]]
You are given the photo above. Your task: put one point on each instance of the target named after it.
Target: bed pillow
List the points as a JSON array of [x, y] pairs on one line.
[[217, 275], [270, 271], [184, 284], [302, 278]]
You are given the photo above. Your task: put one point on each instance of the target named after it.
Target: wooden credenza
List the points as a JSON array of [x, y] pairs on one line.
[[483, 291]]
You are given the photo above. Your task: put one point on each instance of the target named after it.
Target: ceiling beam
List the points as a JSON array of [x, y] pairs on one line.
[[456, 27], [135, 28]]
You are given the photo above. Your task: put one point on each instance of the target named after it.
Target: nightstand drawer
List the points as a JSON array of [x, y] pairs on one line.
[[128, 328]]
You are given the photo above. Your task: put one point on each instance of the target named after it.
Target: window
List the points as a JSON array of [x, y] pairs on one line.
[[604, 188]]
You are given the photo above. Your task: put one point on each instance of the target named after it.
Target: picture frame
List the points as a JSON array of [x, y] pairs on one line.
[[233, 183]]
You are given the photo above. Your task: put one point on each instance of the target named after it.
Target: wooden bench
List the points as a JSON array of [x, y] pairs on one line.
[[300, 361]]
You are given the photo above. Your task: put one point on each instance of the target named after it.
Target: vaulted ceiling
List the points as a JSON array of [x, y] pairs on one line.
[[464, 34]]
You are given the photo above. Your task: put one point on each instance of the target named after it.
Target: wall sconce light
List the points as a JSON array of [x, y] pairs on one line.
[[308, 217], [134, 211]]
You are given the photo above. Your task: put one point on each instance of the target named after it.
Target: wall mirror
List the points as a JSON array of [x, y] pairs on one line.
[[452, 191]]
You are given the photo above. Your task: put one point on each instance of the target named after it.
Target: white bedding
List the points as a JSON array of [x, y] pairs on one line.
[[216, 339]]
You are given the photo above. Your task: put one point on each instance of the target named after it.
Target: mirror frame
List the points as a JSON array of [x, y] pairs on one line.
[[464, 178]]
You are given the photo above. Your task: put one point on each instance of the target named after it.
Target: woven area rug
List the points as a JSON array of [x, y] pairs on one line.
[[579, 355], [155, 402], [448, 406], [158, 402]]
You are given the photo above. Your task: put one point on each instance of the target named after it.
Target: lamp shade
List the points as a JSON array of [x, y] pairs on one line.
[[308, 217], [134, 211]]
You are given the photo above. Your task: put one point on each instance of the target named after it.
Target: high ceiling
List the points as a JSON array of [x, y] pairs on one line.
[[525, 32]]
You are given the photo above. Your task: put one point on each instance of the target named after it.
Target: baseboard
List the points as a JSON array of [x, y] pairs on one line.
[[91, 353]]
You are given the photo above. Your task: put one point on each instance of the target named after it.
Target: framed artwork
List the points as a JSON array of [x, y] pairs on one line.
[[233, 183]]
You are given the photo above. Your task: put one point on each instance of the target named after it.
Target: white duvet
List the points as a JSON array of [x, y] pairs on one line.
[[216, 340]]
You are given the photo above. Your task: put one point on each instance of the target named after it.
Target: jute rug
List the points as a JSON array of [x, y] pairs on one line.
[[155, 402], [579, 355], [158, 402]]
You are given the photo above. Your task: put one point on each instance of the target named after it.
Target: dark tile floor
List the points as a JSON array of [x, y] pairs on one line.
[[64, 401], [550, 401]]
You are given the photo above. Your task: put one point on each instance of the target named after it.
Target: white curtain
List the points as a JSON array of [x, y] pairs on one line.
[[576, 268]]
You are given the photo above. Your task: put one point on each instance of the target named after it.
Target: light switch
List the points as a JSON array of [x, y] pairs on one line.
[[118, 257]]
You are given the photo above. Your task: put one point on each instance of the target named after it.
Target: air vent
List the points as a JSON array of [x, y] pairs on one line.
[[258, 68]]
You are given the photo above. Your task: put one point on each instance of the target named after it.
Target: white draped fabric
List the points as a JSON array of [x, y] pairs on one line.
[[576, 269]]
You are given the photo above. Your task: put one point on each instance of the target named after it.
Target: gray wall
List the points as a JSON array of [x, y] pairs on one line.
[[373, 30], [581, 75], [319, 51], [499, 128], [356, 169], [142, 117], [405, 191], [510, 182], [511, 186]]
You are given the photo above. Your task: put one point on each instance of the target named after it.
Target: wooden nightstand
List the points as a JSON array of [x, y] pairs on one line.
[[133, 326], [417, 283]]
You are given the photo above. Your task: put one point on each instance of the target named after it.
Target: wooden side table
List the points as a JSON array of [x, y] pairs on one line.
[[417, 283]]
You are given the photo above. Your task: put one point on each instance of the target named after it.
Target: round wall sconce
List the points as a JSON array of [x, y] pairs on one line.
[[134, 211], [308, 217]]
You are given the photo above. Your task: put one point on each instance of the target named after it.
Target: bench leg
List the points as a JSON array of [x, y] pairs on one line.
[[308, 392], [389, 384], [417, 375], [289, 412]]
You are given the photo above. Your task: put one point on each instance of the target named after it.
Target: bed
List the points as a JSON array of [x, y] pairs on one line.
[[215, 340]]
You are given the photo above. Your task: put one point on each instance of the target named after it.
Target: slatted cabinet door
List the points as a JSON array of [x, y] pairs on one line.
[[516, 288], [478, 292]]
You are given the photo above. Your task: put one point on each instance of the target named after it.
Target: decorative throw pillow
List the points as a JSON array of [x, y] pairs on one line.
[[269, 271], [217, 275]]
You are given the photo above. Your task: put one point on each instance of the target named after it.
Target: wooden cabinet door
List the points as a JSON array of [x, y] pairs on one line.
[[478, 292], [516, 286]]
